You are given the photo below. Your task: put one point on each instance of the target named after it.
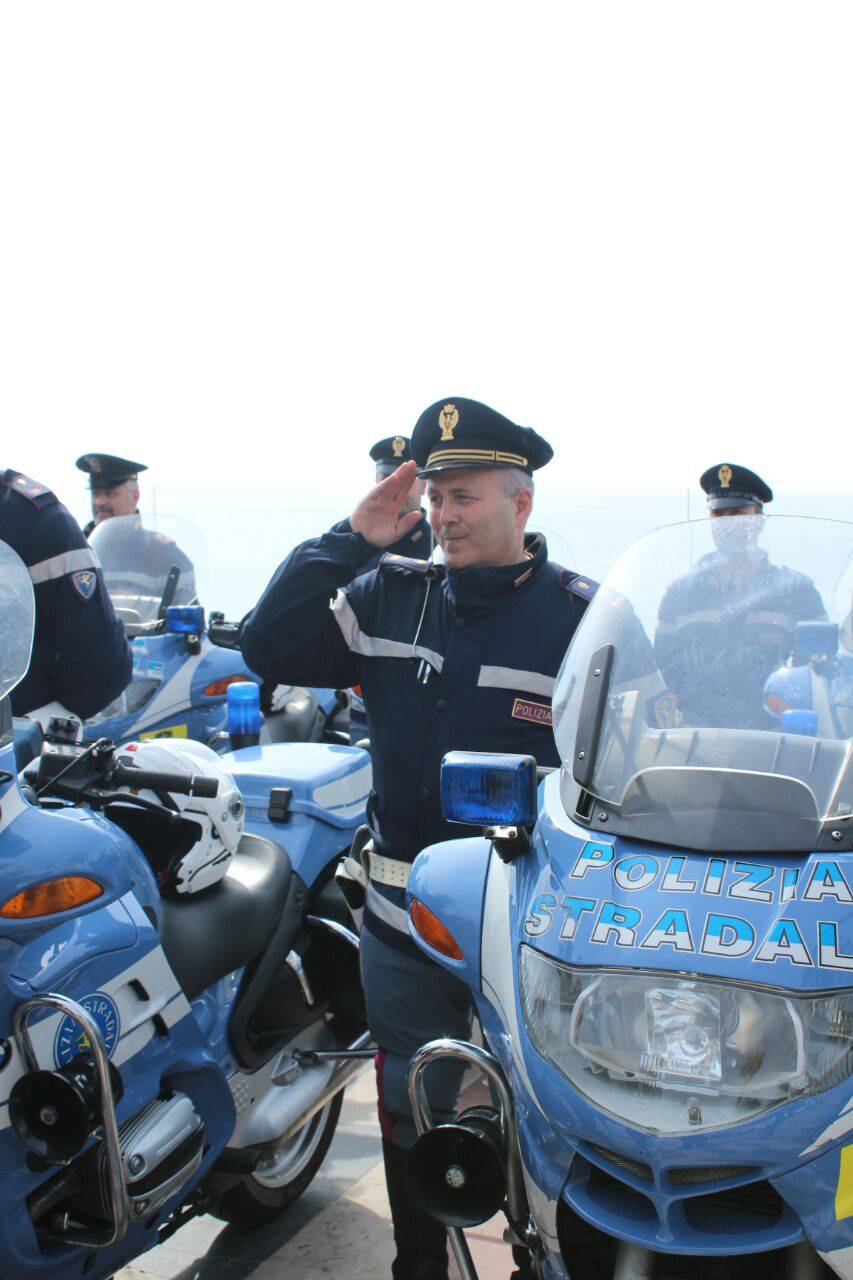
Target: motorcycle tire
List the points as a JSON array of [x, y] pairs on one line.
[[261, 1196]]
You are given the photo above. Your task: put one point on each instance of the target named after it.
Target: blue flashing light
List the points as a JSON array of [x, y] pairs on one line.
[[486, 790], [799, 721], [185, 619], [244, 708]]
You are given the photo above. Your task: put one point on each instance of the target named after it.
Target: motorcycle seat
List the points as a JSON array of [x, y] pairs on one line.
[[299, 720], [208, 935]]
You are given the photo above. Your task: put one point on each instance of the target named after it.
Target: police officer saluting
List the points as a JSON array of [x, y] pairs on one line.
[[459, 655], [80, 659]]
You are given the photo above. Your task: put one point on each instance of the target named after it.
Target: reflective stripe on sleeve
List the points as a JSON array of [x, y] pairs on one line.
[[513, 678], [59, 566], [376, 646]]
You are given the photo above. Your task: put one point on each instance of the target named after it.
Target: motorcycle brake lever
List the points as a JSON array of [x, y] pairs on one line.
[[100, 799]]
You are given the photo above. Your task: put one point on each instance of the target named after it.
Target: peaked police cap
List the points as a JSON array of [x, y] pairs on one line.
[[105, 470], [456, 432], [728, 485]]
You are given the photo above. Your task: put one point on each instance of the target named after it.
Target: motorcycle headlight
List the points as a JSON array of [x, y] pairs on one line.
[[675, 1055]]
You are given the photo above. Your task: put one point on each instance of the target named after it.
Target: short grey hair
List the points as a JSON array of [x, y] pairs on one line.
[[515, 480]]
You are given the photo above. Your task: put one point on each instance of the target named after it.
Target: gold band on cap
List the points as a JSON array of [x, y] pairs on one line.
[[481, 456]]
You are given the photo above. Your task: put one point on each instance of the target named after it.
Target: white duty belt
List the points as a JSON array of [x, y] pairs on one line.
[[387, 871]]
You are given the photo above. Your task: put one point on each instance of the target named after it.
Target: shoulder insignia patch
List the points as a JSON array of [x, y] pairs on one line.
[[84, 583], [27, 488], [577, 585], [408, 564]]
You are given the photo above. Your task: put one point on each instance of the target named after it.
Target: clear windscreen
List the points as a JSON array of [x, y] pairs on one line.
[[17, 614], [707, 698], [140, 555]]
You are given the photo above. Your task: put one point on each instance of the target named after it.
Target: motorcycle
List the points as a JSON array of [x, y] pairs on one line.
[[180, 1006], [658, 935], [181, 673]]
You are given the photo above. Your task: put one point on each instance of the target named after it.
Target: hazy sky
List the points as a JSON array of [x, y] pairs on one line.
[[242, 241]]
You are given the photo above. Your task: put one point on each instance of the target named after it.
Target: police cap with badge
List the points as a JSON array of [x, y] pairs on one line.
[[457, 433], [729, 486], [391, 453], [105, 471]]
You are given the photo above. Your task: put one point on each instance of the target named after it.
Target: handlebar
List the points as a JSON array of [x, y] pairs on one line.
[[224, 634], [186, 784]]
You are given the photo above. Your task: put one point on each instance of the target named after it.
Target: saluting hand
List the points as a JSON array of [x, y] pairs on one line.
[[377, 517]]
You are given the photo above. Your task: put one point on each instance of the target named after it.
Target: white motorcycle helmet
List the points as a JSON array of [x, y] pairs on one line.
[[203, 845]]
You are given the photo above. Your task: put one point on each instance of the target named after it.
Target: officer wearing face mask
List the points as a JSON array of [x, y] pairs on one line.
[[727, 624]]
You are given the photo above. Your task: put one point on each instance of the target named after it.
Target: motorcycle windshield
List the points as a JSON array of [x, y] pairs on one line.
[[707, 699], [143, 555], [17, 612]]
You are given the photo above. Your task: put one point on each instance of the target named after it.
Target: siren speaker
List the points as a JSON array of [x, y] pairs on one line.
[[457, 1170]]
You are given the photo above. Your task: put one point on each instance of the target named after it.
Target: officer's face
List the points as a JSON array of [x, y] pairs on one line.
[[118, 501], [474, 521], [413, 497], [751, 509]]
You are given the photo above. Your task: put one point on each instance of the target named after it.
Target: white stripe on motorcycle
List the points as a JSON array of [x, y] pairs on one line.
[[175, 695], [345, 796], [12, 807], [135, 1016]]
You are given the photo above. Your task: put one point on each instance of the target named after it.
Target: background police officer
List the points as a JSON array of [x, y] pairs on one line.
[[390, 454], [80, 659], [727, 624], [463, 654], [131, 555], [114, 485]]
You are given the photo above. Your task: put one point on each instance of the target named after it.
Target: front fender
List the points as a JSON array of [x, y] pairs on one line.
[[450, 879]]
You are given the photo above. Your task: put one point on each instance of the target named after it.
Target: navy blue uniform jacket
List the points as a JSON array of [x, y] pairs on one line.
[[80, 655], [446, 660]]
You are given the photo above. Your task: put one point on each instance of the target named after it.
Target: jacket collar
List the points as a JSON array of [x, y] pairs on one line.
[[492, 588]]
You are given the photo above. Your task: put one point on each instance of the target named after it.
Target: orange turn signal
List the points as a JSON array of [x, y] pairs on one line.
[[50, 897], [218, 688], [433, 931]]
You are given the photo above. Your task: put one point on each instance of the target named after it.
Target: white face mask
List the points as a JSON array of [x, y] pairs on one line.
[[736, 535]]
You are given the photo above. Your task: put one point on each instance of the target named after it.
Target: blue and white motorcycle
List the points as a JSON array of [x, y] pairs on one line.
[[180, 1006], [659, 939], [180, 679]]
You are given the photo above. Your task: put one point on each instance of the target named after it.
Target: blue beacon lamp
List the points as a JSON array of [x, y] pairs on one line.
[[244, 714]]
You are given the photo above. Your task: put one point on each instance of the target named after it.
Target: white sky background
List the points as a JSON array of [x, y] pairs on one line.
[[240, 242]]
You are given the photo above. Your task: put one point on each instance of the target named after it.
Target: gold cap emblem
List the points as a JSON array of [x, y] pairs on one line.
[[725, 474], [94, 463], [398, 444], [448, 420]]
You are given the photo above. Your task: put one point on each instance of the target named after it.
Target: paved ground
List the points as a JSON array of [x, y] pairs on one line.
[[340, 1227]]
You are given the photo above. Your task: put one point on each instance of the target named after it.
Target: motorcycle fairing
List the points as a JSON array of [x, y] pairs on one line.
[[777, 919], [158, 1045]]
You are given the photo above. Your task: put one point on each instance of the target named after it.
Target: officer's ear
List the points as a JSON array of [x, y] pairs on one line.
[[523, 501]]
